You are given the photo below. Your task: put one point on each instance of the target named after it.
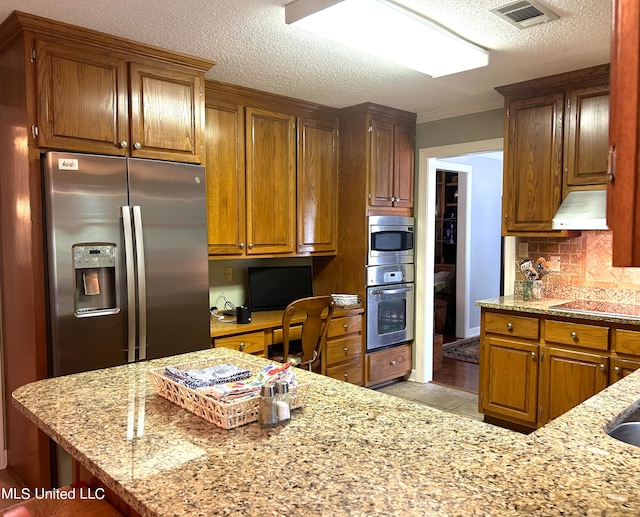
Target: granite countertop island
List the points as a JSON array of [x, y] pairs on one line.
[[349, 451]]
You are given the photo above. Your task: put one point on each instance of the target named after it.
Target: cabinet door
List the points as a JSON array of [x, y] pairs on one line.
[[381, 163], [533, 169], [270, 182], [224, 143], [624, 190], [317, 202], [403, 169], [167, 113], [82, 99], [510, 379], [569, 378], [587, 136], [621, 368]]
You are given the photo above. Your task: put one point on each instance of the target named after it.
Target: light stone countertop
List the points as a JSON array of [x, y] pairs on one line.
[[350, 451]]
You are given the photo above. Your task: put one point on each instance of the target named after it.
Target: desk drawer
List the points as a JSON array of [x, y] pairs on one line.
[[576, 334], [344, 349], [627, 342], [294, 333], [250, 343], [341, 326], [509, 325], [350, 372]]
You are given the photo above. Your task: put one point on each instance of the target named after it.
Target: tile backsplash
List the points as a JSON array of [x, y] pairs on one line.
[[585, 269]]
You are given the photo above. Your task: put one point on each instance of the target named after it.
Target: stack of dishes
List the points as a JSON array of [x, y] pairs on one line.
[[346, 301]]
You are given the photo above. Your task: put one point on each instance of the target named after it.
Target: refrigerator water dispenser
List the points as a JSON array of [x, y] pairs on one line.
[[95, 279]]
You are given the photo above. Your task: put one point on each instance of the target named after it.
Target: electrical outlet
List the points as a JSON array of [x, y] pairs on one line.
[[228, 274], [555, 262], [523, 249]]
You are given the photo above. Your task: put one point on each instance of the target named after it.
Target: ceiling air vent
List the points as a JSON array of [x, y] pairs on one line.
[[524, 14]]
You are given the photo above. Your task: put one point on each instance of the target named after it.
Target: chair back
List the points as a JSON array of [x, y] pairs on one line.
[[314, 327]]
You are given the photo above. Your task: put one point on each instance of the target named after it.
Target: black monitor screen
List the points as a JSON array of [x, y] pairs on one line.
[[273, 288]]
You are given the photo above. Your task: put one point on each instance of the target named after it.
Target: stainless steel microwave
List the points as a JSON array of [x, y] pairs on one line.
[[390, 240]]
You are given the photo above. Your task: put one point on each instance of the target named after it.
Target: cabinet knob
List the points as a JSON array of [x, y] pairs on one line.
[[574, 336], [346, 376], [241, 346], [251, 245], [533, 355], [617, 370], [137, 145], [242, 245], [346, 349], [392, 363], [124, 144], [346, 326], [603, 368], [509, 326]]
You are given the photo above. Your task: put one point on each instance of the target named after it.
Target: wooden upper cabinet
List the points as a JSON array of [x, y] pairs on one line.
[[111, 102], [82, 99], [166, 113], [533, 166], [317, 180], [391, 173], [224, 137], [587, 137], [381, 172], [623, 190], [270, 182]]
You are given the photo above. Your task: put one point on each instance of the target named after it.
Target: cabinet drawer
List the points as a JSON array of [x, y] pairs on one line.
[[576, 334], [341, 326], [344, 349], [250, 343], [294, 333], [388, 364], [627, 341], [350, 372], [509, 325]]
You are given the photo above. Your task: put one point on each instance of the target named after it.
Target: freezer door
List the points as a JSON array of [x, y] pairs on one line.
[[170, 220], [87, 302]]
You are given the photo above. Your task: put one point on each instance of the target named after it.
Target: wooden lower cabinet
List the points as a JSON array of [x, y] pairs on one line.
[[510, 379], [569, 377], [620, 368], [388, 364], [343, 354]]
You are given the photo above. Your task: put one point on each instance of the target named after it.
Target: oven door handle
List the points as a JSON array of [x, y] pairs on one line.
[[391, 291]]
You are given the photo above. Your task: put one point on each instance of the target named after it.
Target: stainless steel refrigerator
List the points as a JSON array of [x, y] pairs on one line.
[[127, 260]]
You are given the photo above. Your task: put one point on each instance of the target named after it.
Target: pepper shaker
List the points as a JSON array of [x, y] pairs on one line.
[[267, 412]]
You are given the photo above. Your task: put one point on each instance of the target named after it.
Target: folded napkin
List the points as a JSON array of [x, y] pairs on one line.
[[198, 377], [251, 386]]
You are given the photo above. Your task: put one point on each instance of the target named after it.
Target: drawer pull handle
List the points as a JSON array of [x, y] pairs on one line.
[[533, 355], [617, 370], [346, 349], [346, 376], [574, 336], [392, 363], [346, 326], [509, 326], [241, 346]]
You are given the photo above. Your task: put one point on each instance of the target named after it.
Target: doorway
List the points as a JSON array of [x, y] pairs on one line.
[[425, 250]]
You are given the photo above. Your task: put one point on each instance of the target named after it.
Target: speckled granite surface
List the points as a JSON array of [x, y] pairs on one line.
[[349, 451], [545, 306]]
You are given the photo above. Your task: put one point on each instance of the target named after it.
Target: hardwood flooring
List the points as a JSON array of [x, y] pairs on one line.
[[457, 374]]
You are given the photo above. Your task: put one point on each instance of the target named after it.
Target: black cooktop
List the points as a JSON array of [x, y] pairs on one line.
[[614, 309]]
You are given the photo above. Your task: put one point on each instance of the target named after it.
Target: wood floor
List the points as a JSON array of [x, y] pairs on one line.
[[457, 374]]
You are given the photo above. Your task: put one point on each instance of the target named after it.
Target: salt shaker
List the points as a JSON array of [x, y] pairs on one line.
[[267, 412], [283, 402]]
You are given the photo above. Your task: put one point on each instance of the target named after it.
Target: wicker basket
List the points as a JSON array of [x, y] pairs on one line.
[[224, 414]]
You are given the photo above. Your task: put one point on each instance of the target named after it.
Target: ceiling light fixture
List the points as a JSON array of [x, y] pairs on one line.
[[390, 31]]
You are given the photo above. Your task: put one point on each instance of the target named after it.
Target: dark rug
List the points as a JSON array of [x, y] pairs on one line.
[[467, 350]]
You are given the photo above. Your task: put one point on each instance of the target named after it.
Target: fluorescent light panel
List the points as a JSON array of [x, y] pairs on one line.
[[386, 30]]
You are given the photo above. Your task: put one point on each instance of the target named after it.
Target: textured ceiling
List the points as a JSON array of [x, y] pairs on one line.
[[253, 47]]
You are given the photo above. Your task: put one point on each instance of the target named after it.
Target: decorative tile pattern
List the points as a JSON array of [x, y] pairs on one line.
[[586, 270]]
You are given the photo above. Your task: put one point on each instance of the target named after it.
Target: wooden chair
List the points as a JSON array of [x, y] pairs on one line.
[[319, 311]]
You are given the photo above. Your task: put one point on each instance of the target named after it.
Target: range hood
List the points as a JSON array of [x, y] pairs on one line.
[[582, 210]]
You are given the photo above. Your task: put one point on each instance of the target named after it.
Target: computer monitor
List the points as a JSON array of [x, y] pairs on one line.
[[273, 288]]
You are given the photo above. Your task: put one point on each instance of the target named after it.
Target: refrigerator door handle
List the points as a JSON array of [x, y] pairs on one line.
[[131, 288], [142, 284]]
